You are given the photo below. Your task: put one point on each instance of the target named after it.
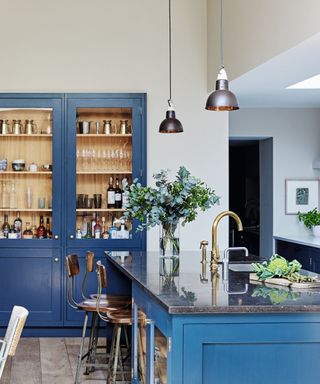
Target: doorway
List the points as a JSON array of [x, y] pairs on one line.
[[251, 194]]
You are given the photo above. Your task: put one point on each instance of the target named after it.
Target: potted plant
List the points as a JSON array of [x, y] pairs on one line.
[[168, 203], [311, 220]]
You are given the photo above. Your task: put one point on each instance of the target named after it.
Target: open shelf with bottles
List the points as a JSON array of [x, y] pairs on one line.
[[26, 156], [108, 148]]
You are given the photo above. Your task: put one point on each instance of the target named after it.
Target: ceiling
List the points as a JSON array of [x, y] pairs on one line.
[[265, 85]]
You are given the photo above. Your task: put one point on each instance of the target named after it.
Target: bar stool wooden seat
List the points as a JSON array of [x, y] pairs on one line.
[[89, 306], [121, 319]]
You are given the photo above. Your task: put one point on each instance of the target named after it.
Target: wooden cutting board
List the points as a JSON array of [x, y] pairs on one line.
[[285, 282]]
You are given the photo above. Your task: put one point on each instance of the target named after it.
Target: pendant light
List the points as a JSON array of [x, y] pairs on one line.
[[170, 124], [222, 99]]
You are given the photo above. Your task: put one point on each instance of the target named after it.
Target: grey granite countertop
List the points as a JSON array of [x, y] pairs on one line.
[[196, 291]]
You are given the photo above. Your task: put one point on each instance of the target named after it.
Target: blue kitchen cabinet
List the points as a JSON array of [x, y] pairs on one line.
[[302, 253], [32, 272], [31, 278]]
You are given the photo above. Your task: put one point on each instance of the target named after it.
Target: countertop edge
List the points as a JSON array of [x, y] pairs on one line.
[[312, 242], [243, 310]]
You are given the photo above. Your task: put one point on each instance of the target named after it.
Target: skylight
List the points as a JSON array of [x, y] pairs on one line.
[[311, 83]]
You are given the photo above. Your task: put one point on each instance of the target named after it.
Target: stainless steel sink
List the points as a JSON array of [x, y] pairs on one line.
[[240, 267]]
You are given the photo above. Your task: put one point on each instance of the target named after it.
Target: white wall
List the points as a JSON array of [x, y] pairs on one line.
[[121, 46], [296, 143], [257, 30]]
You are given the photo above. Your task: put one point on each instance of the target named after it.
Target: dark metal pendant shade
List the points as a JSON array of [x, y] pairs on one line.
[[170, 124], [222, 99]]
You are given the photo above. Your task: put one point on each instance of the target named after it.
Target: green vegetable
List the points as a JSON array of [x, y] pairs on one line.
[[310, 219], [278, 266], [276, 295]]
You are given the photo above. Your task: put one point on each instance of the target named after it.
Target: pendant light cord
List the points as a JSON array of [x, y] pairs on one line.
[[221, 34], [170, 69]]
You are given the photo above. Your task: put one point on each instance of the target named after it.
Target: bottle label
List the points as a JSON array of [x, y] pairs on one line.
[[111, 197], [97, 234], [118, 196], [12, 235], [29, 236]]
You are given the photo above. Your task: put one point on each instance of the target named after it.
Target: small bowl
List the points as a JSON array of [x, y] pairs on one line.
[[18, 165], [47, 167]]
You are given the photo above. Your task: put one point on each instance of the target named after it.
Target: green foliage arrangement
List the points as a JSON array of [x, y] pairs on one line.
[[278, 266], [310, 219], [168, 201]]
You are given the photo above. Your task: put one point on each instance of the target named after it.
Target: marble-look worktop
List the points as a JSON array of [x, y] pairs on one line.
[[197, 291], [305, 239]]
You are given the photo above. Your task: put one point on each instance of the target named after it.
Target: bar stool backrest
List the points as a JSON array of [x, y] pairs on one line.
[[72, 264], [102, 275], [10, 342]]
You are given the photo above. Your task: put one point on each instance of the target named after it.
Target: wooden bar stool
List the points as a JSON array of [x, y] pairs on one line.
[[121, 319], [89, 306]]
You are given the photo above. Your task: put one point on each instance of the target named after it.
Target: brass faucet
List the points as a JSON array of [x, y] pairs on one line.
[[215, 257]]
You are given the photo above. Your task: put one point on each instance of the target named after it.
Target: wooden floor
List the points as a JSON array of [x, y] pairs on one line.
[[47, 361]]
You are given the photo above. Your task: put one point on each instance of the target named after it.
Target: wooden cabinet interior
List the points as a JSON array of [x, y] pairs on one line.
[[100, 155], [33, 148]]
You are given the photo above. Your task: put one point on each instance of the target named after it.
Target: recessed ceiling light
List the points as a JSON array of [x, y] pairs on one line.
[[311, 83]]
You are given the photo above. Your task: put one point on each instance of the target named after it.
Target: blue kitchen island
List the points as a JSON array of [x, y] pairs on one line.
[[221, 328]]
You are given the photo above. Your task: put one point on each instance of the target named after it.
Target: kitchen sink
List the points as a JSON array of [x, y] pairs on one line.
[[240, 267]]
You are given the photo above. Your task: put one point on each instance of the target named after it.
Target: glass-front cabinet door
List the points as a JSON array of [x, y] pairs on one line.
[[30, 171], [105, 145]]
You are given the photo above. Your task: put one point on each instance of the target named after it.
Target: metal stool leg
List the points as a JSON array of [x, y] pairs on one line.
[[81, 347], [141, 357], [116, 356], [91, 345], [112, 352], [95, 343]]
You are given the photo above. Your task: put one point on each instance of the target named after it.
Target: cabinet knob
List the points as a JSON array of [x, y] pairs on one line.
[[55, 259], [71, 236], [56, 237]]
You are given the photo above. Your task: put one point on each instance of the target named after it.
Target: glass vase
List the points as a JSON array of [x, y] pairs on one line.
[[169, 244]]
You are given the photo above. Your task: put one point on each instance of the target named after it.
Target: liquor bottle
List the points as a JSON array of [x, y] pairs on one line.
[[2, 236], [105, 233], [110, 194], [88, 234], [6, 226], [27, 233], [41, 230], [93, 223], [113, 229], [12, 233], [123, 233], [124, 194], [83, 227], [117, 195], [49, 233], [34, 227], [78, 233], [97, 229], [17, 224]]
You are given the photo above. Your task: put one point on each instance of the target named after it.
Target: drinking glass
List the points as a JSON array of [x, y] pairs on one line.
[[41, 202], [29, 197], [97, 200]]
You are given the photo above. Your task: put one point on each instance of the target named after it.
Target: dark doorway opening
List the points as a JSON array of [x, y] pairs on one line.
[[251, 194]]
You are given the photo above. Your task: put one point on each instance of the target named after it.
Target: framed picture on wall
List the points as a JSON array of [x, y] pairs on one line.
[[301, 196]]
